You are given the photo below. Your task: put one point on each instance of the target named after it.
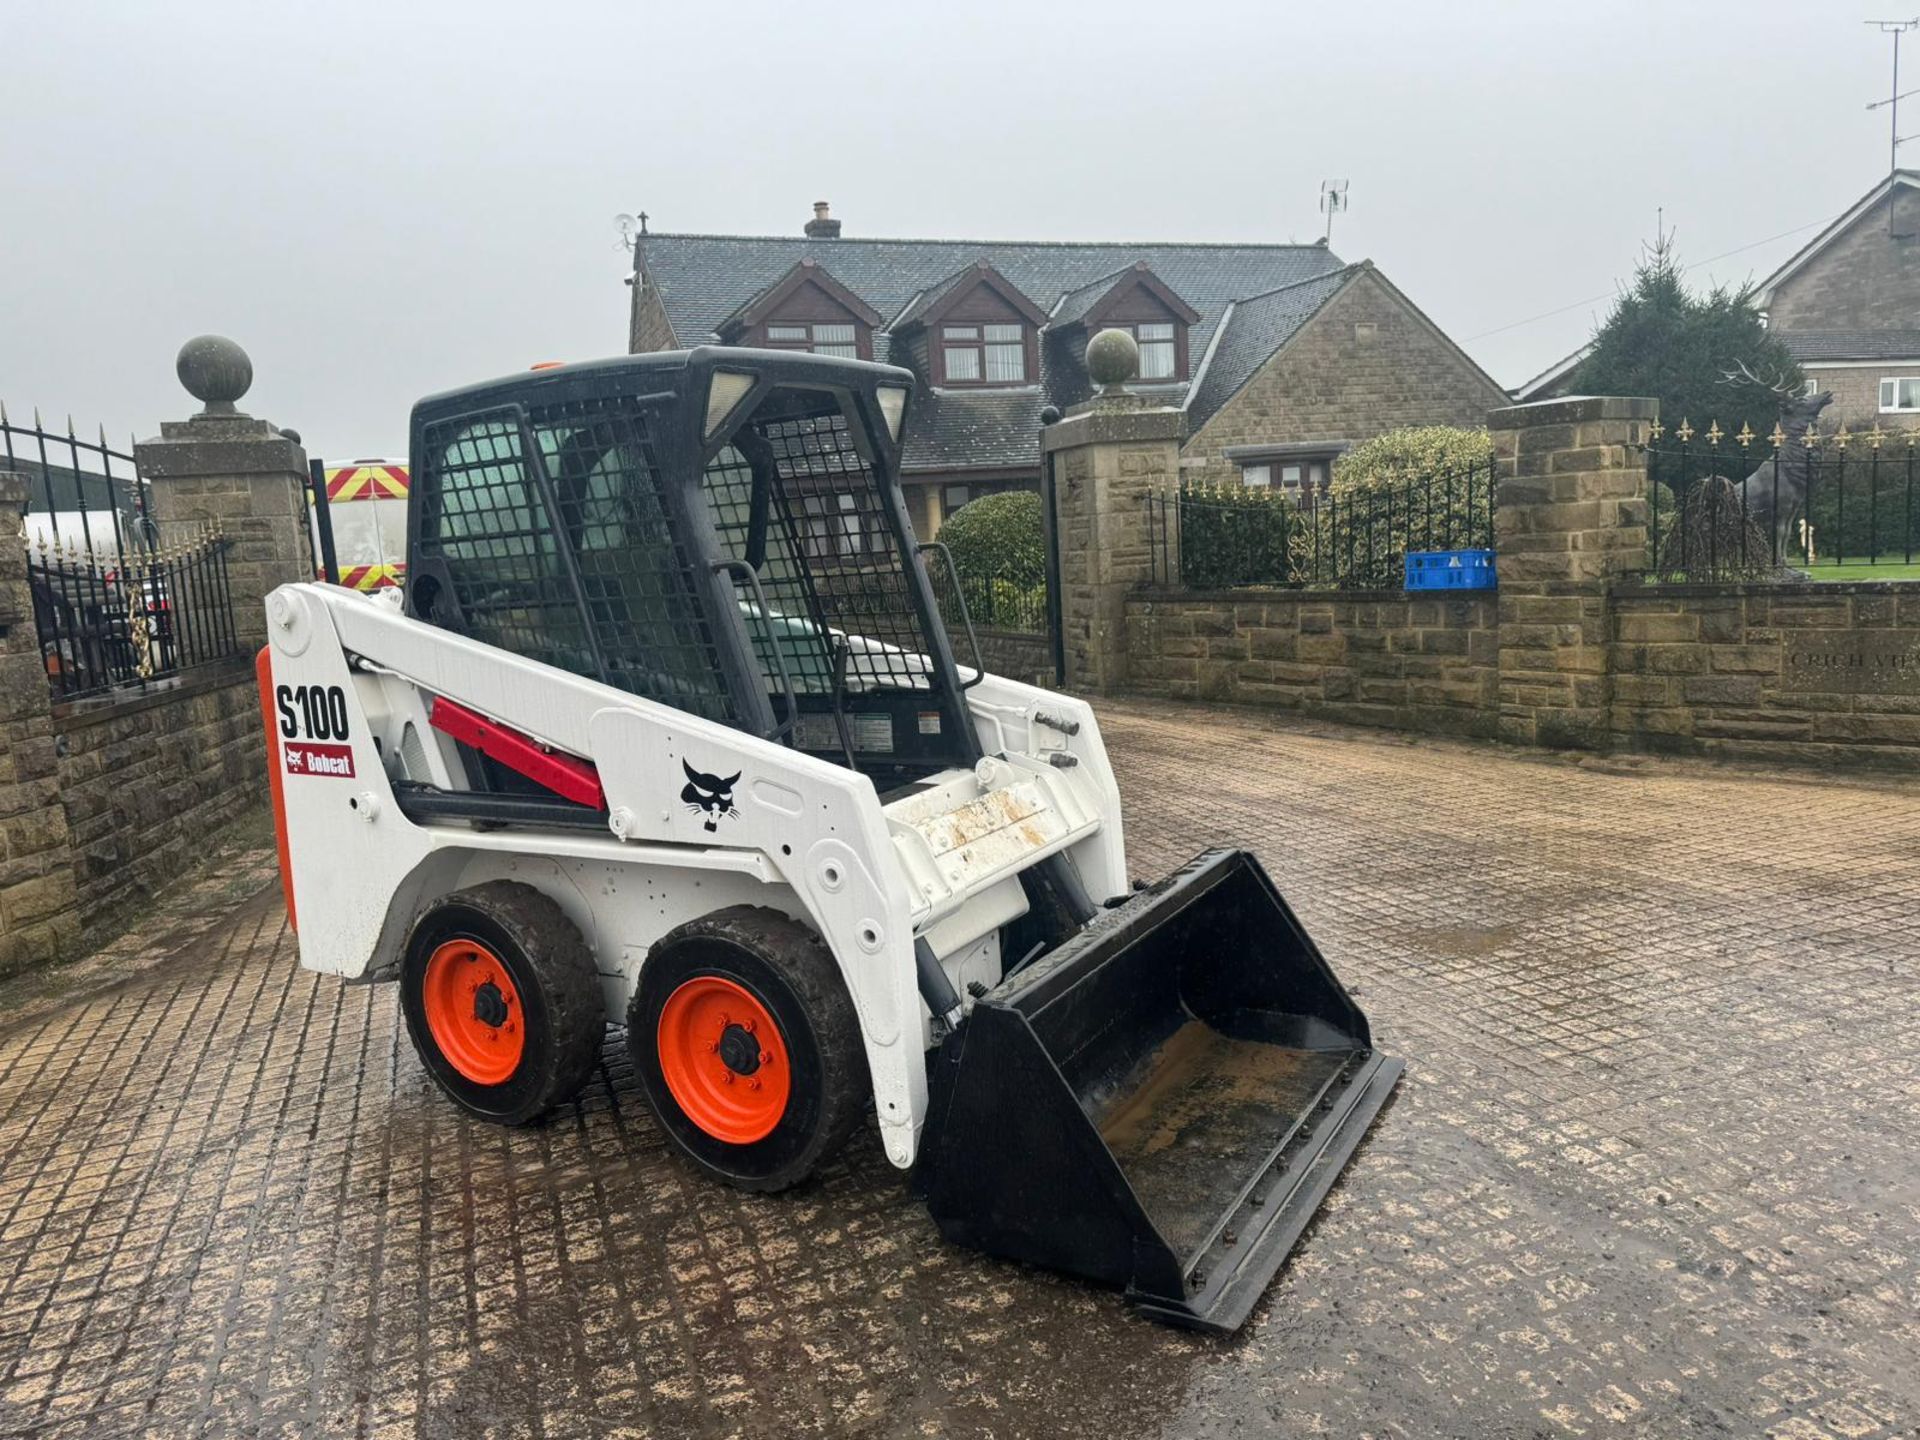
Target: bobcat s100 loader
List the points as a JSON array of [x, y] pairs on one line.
[[668, 732]]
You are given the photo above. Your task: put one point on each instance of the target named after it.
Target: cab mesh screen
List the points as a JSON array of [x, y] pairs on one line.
[[831, 561], [484, 515]]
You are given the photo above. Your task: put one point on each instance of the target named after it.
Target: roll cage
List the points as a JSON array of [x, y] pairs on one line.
[[720, 530]]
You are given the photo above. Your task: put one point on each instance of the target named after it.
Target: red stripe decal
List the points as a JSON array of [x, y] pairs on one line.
[[565, 775], [263, 676]]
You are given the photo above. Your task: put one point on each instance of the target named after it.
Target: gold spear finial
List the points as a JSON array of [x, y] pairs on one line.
[[1745, 437], [1656, 429], [1713, 432], [1685, 432], [1840, 436], [1876, 435], [1778, 437]]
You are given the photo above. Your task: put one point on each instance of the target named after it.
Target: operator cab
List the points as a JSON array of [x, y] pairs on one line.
[[719, 530]]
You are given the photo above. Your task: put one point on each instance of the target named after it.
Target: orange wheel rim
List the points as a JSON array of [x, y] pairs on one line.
[[474, 1012], [724, 1060]]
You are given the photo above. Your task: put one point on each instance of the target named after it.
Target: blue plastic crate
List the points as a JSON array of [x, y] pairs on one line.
[[1451, 570]]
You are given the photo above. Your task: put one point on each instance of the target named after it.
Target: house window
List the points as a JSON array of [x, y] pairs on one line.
[[1900, 393], [833, 526], [1156, 350], [1298, 479], [1159, 344], [953, 497], [821, 339], [983, 354]]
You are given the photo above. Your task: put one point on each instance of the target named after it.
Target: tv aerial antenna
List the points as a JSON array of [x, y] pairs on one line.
[[1333, 200], [1895, 28]]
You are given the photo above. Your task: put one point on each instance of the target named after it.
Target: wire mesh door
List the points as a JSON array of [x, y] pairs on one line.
[[794, 498]]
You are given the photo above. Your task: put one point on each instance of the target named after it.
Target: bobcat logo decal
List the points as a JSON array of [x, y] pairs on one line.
[[709, 795]]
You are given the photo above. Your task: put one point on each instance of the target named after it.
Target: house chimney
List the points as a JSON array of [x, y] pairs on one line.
[[822, 226]]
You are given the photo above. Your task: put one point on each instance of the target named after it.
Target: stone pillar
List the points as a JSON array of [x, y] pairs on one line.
[[39, 907], [1570, 515], [231, 472], [1107, 456]]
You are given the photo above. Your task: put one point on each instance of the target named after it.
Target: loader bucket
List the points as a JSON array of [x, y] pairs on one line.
[[1161, 1103]]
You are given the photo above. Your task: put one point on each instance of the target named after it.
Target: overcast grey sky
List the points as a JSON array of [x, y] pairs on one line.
[[382, 200]]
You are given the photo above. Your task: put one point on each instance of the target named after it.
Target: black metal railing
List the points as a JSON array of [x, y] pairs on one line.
[[107, 627], [995, 603], [1213, 538], [1839, 506], [113, 607]]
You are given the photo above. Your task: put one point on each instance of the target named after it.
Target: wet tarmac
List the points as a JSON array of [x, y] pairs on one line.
[[1654, 1169]]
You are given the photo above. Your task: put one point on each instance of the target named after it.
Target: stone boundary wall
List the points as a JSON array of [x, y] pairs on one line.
[[1572, 651], [1797, 673], [1377, 657], [1803, 674], [146, 780], [1016, 654]]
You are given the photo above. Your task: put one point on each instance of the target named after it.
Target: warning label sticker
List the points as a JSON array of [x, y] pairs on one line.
[[305, 757]]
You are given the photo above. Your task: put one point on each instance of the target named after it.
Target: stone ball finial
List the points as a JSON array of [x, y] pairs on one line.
[[1113, 358], [215, 371]]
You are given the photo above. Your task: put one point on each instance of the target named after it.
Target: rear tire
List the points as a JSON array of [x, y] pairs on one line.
[[748, 1048], [502, 1001]]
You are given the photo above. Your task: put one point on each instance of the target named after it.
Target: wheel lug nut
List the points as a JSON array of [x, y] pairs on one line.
[[753, 1084], [765, 1058], [748, 1027], [712, 1046], [726, 1077]]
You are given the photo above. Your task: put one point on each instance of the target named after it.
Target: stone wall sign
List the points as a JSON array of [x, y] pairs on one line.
[[1851, 662]]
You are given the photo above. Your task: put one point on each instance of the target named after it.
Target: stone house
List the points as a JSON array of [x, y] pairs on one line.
[[1282, 356], [1847, 307]]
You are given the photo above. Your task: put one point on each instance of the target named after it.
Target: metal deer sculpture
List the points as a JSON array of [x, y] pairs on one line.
[[1776, 491]]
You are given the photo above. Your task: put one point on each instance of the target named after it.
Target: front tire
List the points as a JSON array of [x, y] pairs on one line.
[[748, 1048], [502, 1001]]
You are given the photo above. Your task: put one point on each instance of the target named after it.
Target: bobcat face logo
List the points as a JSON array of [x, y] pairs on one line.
[[709, 795]]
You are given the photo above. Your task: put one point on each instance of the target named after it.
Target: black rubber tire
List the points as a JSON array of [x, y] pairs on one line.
[[790, 970], [561, 998]]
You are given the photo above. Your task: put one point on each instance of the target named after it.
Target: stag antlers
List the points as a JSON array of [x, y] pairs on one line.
[[1743, 374]]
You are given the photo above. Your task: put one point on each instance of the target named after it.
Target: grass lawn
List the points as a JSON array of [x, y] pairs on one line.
[[1821, 574]]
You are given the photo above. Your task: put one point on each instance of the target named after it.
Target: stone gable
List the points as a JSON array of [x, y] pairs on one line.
[[1867, 277], [1368, 362]]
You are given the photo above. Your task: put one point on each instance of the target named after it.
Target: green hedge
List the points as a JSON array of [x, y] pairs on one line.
[[999, 537]]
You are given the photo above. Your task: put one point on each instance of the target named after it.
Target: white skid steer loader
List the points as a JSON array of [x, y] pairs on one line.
[[667, 732]]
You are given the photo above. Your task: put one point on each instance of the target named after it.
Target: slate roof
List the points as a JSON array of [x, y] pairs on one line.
[[925, 299], [1259, 326], [702, 279], [1813, 346], [984, 429], [1076, 303]]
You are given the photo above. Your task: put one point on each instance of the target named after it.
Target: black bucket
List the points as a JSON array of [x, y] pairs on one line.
[[1161, 1103]]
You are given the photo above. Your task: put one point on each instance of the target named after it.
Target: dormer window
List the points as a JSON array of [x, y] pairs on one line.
[[979, 330], [1139, 302], [984, 354], [815, 337], [806, 309]]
